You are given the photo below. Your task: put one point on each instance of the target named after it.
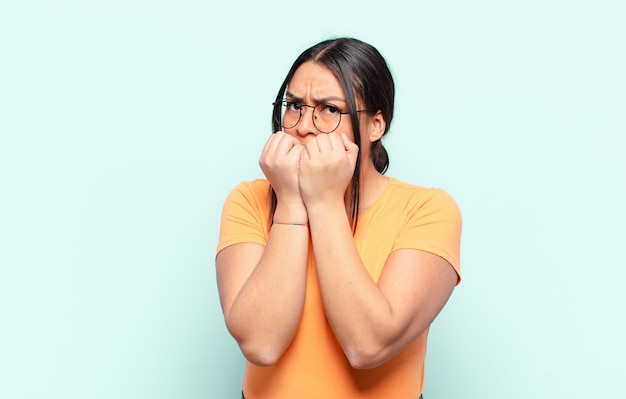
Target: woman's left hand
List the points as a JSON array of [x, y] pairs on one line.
[[326, 167]]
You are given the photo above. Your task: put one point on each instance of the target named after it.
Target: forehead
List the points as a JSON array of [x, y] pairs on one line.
[[314, 80]]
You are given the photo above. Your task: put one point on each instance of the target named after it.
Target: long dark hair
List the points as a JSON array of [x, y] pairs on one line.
[[362, 72]]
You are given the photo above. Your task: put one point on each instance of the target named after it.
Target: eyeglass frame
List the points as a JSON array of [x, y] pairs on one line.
[[314, 107]]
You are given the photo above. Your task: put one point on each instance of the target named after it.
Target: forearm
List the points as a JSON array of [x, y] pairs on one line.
[[361, 316], [267, 310]]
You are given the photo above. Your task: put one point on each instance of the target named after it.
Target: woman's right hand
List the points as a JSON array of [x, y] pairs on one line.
[[280, 161]]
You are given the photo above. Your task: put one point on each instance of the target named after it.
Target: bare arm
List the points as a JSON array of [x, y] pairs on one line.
[[262, 288], [262, 291], [373, 322]]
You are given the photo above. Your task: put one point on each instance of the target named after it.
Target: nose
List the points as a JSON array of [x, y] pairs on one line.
[[305, 125]]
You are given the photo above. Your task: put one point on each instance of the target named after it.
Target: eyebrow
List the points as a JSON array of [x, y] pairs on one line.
[[317, 100]]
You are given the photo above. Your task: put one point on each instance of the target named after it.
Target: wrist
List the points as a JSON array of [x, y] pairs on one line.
[[333, 209], [291, 213], [290, 224]]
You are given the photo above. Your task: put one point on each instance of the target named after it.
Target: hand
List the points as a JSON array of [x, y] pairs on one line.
[[280, 161], [326, 167]]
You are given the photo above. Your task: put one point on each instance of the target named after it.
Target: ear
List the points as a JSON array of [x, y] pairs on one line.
[[377, 126]]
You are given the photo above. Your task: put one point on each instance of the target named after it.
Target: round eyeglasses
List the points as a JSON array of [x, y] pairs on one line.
[[326, 117]]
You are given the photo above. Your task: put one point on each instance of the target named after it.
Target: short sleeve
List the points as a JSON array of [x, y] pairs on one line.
[[433, 224], [245, 215]]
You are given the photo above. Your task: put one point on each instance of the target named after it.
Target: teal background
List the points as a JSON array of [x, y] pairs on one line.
[[124, 124]]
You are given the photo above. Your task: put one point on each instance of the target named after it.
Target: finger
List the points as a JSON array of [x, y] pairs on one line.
[[335, 140], [285, 144], [323, 143], [296, 150], [304, 154], [273, 141], [312, 146], [352, 150], [268, 143], [348, 145]]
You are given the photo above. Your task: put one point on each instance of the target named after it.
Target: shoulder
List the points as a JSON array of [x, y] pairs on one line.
[[419, 197], [249, 197], [430, 221], [245, 214], [257, 186], [258, 189]]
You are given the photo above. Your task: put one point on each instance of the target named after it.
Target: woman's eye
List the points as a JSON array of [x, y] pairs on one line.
[[291, 106], [330, 109]]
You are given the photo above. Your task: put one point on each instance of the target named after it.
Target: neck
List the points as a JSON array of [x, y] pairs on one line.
[[373, 183]]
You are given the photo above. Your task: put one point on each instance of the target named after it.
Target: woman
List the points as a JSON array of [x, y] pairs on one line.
[[329, 272]]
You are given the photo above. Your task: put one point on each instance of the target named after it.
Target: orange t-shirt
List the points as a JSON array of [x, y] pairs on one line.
[[314, 366]]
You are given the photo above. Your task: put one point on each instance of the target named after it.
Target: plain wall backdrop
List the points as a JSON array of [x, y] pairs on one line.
[[124, 124]]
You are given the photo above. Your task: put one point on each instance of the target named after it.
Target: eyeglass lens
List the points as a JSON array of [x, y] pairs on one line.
[[326, 118]]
